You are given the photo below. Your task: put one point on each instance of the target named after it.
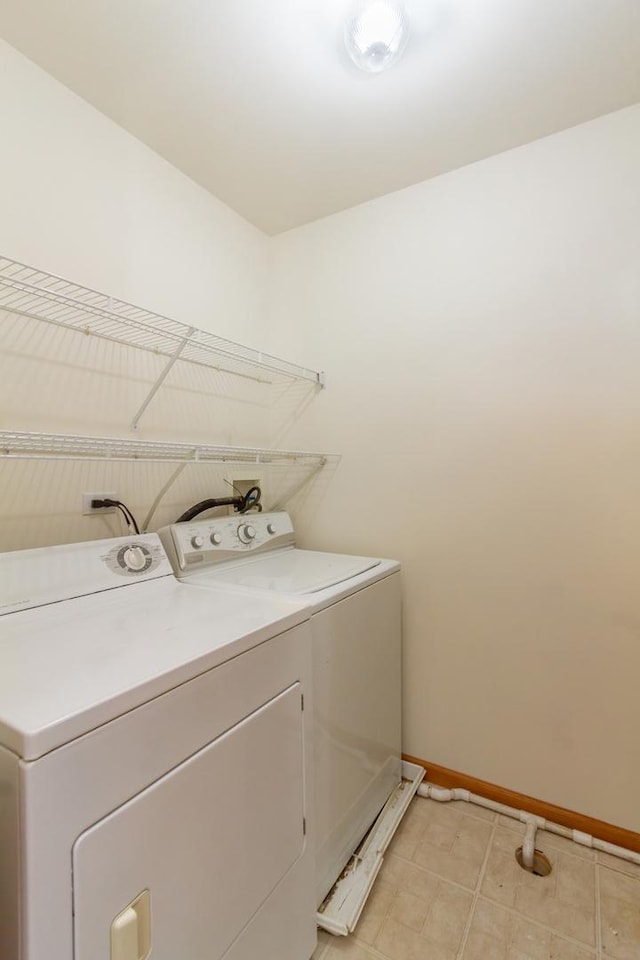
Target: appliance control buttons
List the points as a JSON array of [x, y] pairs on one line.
[[197, 542], [135, 559], [271, 528], [246, 532], [215, 538]]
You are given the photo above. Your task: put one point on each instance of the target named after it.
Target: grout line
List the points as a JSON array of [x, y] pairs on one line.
[[432, 873], [364, 947], [476, 894], [538, 923], [598, 914]]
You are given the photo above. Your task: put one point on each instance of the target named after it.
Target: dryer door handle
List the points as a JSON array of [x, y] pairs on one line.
[[131, 930]]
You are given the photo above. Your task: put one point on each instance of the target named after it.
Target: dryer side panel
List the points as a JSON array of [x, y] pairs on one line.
[[211, 841]]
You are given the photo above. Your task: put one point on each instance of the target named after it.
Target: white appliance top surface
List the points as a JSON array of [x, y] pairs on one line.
[[68, 667], [295, 571], [43, 575], [318, 577]]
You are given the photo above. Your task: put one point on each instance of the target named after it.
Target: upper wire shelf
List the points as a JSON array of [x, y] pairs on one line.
[[33, 293], [49, 446]]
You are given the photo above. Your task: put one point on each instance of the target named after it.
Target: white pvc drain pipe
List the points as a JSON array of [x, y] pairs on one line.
[[533, 824]]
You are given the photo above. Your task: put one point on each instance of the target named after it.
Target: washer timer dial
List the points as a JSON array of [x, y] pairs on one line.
[[246, 533]]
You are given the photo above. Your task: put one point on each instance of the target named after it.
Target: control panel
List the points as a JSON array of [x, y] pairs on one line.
[[199, 543], [32, 578], [134, 558]]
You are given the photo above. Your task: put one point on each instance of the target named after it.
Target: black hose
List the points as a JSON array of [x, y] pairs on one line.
[[209, 504], [241, 503]]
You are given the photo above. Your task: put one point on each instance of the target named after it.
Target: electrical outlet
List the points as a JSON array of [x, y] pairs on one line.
[[89, 511]]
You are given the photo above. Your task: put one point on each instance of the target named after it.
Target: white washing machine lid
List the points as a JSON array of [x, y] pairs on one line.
[[69, 667], [292, 570], [317, 577]]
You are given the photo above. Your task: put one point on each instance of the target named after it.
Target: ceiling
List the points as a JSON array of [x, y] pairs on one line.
[[257, 101]]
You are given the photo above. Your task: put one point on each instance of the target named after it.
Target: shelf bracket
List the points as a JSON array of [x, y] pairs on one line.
[[154, 506], [297, 487], [154, 389]]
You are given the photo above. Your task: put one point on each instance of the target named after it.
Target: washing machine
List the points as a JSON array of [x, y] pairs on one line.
[[354, 604], [155, 769]]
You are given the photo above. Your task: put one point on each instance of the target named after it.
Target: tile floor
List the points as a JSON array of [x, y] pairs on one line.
[[450, 889]]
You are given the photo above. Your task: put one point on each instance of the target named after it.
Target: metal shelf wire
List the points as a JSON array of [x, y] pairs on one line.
[[33, 293], [49, 446]]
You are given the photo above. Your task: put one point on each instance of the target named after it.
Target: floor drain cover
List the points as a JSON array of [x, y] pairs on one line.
[[541, 863]]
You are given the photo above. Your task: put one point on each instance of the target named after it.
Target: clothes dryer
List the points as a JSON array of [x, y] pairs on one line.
[[153, 768], [356, 652]]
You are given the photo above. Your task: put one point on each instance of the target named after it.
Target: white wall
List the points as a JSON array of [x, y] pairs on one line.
[[481, 337], [81, 198]]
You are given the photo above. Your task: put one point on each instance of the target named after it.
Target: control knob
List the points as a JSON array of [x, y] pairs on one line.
[[197, 541], [271, 528], [216, 539], [246, 532], [134, 559]]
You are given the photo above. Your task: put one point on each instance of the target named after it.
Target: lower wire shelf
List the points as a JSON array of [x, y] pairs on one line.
[[50, 446]]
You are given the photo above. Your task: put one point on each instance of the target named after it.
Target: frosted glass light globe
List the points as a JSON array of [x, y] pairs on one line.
[[376, 33]]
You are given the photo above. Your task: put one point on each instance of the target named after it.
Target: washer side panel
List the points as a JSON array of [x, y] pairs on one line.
[[9, 854]]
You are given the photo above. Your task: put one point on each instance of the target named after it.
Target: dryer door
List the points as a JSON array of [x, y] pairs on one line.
[[210, 841]]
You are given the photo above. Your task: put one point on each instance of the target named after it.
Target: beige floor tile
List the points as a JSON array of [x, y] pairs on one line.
[[480, 946], [506, 839], [472, 810], [403, 846], [492, 921], [447, 917], [346, 948], [375, 910], [619, 886], [419, 812], [413, 914], [503, 934], [453, 846], [549, 910], [410, 910], [419, 909], [563, 950], [529, 940], [398, 942], [502, 877], [412, 828], [563, 901], [620, 915], [459, 869], [619, 865], [576, 881], [405, 875], [442, 835]]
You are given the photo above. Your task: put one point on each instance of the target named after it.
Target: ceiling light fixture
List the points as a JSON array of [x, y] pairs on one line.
[[376, 33]]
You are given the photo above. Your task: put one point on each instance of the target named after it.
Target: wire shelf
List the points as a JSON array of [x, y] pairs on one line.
[[34, 293], [49, 446]]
